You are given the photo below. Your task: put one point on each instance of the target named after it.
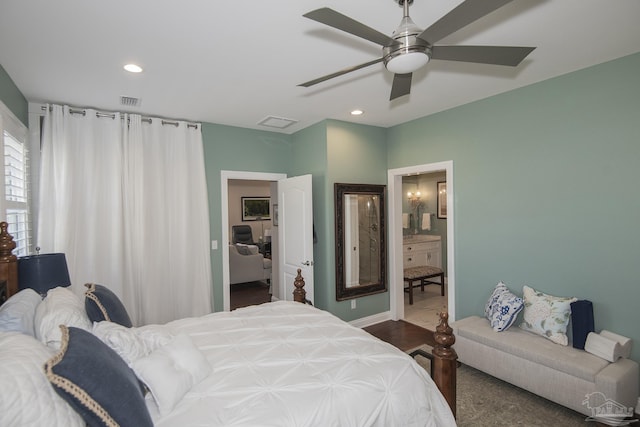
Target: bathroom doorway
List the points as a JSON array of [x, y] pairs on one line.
[[398, 200]]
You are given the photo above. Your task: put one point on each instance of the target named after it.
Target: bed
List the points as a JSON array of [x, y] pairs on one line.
[[282, 363]]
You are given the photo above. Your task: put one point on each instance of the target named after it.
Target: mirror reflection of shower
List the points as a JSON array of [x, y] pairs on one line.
[[369, 238], [362, 238]]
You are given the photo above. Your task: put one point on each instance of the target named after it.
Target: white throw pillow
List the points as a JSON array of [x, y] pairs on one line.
[[131, 343], [171, 371], [502, 308], [60, 307], [26, 397], [18, 312], [546, 315]]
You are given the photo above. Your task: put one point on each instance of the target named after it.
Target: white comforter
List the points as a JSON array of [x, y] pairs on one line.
[[289, 364]]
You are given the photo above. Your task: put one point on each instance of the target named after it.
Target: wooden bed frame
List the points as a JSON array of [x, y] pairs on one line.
[[443, 362], [8, 261]]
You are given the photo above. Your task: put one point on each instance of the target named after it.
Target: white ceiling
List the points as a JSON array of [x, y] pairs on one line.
[[235, 63]]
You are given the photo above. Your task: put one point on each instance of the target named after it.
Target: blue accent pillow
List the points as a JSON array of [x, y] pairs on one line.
[[96, 382], [502, 308], [102, 304], [581, 322]]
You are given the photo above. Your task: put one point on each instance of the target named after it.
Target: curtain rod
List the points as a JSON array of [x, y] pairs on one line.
[[113, 116]]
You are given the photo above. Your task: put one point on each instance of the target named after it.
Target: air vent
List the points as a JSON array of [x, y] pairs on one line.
[[129, 101], [276, 122]]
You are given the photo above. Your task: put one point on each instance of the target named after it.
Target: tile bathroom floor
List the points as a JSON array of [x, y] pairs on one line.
[[426, 306]]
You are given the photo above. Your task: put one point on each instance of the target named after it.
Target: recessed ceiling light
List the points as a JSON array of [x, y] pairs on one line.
[[133, 68], [357, 112]]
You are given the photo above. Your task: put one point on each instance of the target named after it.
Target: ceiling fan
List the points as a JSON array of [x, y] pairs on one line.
[[410, 48]]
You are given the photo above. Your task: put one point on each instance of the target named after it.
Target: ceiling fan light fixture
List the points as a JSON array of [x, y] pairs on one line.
[[406, 63]]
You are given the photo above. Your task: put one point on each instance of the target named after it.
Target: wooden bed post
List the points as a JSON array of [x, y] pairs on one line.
[[445, 361], [299, 294], [8, 261]]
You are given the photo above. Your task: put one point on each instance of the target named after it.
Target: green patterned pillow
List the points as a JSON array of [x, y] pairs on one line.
[[546, 315]]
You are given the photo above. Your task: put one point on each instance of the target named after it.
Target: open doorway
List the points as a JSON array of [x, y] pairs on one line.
[[424, 243], [398, 199], [250, 228], [252, 181]]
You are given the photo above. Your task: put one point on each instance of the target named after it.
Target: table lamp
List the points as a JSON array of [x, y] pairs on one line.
[[43, 272]]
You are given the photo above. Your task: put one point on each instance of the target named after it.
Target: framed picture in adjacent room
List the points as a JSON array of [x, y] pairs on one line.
[[256, 209], [442, 200]]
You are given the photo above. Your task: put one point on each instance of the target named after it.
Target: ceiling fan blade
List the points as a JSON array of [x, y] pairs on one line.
[[401, 85], [464, 14], [339, 73], [497, 55], [337, 20]]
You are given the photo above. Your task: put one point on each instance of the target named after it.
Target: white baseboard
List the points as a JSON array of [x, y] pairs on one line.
[[363, 322]]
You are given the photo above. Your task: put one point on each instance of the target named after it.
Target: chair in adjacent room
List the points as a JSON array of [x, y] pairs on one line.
[[242, 234], [246, 264]]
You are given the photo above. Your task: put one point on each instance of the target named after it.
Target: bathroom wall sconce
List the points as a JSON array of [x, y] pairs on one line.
[[414, 199]]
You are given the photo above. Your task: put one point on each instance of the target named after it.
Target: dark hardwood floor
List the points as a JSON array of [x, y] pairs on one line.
[[252, 293], [401, 334]]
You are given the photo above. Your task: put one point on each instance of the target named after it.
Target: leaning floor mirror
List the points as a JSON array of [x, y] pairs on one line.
[[360, 240]]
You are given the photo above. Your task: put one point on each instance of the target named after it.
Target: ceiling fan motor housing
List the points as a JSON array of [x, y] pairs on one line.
[[407, 43]]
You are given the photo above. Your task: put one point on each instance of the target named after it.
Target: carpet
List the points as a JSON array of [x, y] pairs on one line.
[[483, 400]]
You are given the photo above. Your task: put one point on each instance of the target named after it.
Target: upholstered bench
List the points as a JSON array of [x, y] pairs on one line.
[[562, 374], [422, 273]]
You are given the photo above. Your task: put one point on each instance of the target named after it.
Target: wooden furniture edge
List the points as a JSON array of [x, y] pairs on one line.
[[8, 261], [445, 361]]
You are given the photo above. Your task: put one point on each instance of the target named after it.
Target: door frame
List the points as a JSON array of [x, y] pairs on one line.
[[394, 178], [225, 176]]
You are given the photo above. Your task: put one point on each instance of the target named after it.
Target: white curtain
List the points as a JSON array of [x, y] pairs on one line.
[[126, 201]]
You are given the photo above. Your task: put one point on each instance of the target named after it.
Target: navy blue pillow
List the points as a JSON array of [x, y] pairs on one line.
[[102, 304], [96, 382], [581, 322]]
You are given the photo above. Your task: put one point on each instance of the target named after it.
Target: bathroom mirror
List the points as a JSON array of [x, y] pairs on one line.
[[360, 240]]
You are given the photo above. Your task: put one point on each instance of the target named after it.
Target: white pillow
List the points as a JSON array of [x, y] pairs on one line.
[[18, 312], [546, 315], [26, 397], [171, 371], [60, 307], [131, 343]]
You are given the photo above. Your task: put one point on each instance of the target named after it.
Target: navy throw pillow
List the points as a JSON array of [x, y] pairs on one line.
[[102, 304], [96, 382], [581, 322]]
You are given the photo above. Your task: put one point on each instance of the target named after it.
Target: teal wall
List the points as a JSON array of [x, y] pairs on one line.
[[237, 149], [546, 189], [11, 96], [356, 154], [334, 151], [310, 157]]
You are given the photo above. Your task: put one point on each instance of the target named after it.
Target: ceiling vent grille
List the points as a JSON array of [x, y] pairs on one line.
[[277, 122], [129, 101]]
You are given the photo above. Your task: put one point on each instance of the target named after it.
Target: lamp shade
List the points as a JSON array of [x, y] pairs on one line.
[[43, 272]]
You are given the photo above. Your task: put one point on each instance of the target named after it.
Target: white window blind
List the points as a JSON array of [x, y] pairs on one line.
[[15, 168]]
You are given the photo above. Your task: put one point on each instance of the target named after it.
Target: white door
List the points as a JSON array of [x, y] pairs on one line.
[[295, 234]]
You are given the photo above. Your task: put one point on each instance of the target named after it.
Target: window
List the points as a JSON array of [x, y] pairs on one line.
[[15, 203]]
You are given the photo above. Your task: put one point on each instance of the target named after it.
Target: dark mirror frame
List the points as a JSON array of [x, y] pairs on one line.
[[340, 190]]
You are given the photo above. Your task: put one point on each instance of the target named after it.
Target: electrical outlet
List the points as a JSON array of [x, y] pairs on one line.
[[353, 304], [214, 245]]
